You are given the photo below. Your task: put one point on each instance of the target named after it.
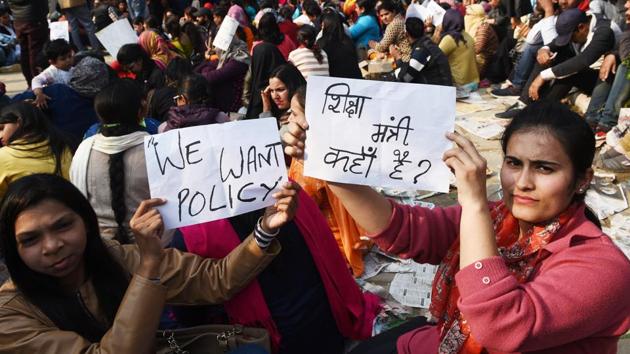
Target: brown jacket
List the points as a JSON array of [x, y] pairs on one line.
[[185, 279]]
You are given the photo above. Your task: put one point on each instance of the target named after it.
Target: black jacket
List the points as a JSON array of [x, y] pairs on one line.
[[428, 65], [29, 10], [602, 42]]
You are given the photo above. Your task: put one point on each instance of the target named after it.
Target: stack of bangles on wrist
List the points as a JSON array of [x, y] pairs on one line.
[[263, 239]]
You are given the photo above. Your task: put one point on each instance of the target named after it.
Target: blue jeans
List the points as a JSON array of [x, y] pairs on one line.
[[137, 8], [525, 64], [607, 99], [81, 14]]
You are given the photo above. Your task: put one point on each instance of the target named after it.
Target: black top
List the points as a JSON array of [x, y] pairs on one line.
[[294, 293], [265, 58], [343, 60]]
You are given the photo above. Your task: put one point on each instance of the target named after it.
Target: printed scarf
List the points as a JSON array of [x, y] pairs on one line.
[[522, 255]]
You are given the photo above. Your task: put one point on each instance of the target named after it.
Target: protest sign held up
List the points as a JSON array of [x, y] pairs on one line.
[[215, 171], [378, 133]]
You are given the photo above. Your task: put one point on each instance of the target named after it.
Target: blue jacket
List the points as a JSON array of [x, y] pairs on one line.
[[366, 29], [68, 110]]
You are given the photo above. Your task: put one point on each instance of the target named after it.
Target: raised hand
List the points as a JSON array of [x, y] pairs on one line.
[[469, 168], [148, 227], [294, 139], [283, 210]]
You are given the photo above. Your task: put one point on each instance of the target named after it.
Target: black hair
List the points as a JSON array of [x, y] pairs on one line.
[[56, 48], [189, 11], [392, 6], [414, 27], [172, 26], [152, 22], [220, 11], [132, 52], [139, 20], [35, 128], [300, 94], [311, 8], [332, 30], [286, 12], [306, 36], [573, 133], [4, 10], [196, 89], [268, 29], [109, 278], [291, 77], [177, 69], [192, 31], [118, 106], [268, 4], [368, 5]]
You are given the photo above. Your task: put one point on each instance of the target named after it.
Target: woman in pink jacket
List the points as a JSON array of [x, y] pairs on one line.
[[533, 273]]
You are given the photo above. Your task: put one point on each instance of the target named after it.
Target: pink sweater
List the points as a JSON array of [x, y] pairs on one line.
[[576, 302]]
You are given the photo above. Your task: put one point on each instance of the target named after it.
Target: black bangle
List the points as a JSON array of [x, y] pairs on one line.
[[262, 238]]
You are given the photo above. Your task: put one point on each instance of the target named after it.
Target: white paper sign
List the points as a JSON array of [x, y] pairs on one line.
[[116, 35], [427, 9], [226, 33], [376, 133], [59, 30], [215, 171]]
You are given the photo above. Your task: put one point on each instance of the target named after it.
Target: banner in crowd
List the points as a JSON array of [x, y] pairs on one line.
[[116, 35], [379, 133], [226, 33], [428, 8], [215, 171]]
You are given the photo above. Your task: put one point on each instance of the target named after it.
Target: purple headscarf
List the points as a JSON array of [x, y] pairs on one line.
[[453, 25]]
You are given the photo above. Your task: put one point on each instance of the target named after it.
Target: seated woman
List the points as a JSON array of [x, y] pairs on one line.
[[366, 28], [526, 274], [342, 54], [109, 167], [308, 57], [459, 47], [227, 77], [276, 98], [341, 224], [179, 38], [192, 105], [391, 15], [157, 48], [269, 32], [71, 107], [133, 59], [71, 292], [486, 40], [30, 144]]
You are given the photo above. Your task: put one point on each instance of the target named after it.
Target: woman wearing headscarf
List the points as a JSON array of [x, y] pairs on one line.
[[71, 106], [459, 47], [157, 48], [486, 40], [227, 79], [265, 58]]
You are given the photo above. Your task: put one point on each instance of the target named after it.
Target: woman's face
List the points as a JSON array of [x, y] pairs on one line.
[[297, 111], [279, 93], [386, 16], [6, 132], [537, 177], [51, 240]]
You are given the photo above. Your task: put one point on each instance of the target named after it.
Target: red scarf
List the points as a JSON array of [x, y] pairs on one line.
[[353, 310], [521, 254]]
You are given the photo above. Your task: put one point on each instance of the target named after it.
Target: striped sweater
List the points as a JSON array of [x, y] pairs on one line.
[[304, 59]]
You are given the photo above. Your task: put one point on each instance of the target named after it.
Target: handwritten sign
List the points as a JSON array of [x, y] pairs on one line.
[[59, 30], [215, 171], [378, 133], [116, 35], [226, 33]]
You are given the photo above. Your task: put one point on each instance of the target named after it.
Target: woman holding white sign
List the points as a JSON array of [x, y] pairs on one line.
[[71, 292], [532, 273]]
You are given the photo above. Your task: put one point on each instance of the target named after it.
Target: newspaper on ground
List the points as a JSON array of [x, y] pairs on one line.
[[606, 198], [486, 129]]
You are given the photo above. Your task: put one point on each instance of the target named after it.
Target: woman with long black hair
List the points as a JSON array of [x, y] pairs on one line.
[[343, 60], [309, 57], [71, 292], [30, 144]]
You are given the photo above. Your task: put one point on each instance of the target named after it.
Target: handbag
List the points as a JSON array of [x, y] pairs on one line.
[[210, 339]]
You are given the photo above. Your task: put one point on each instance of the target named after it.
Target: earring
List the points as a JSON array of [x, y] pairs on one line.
[[581, 190]]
